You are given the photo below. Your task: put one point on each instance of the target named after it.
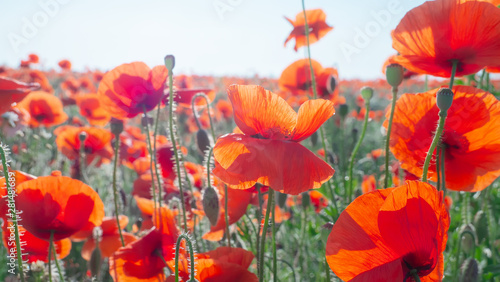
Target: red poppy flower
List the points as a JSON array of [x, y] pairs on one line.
[[296, 78], [141, 261], [386, 234], [432, 35], [65, 64], [317, 28], [318, 200], [223, 264], [34, 249], [33, 58], [96, 145], [58, 204], [269, 151], [224, 107], [13, 91], [129, 88], [91, 109], [369, 184], [45, 109], [469, 140]]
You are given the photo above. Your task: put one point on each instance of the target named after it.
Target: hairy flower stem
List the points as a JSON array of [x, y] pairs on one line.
[[443, 176], [191, 256], [13, 210], [158, 176], [52, 249], [388, 138], [115, 191], [356, 148], [270, 206], [193, 108], [174, 143], [153, 168]]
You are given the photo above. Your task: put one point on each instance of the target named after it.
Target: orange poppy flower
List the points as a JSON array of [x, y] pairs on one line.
[[110, 240], [237, 207], [129, 88], [58, 204], [318, 200], [224, 107], [91, 108], [432, 35], [34, 249], [386, 234], [13, 91], [96, 145], [269, 151], [296, 78], [317, 28], [471, 146], [224, 264], [33, 58], [140, 260], [40, 78], [45, 109], [369, 184], [65, 64]]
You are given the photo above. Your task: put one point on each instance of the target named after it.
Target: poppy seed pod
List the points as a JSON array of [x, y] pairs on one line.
[[210, 202], [469, 270], [203, 140], [481, 225], [116, 126], [444, 99], [343, 110], [394, 74], [367, 93], [82, 136], [170, 62]]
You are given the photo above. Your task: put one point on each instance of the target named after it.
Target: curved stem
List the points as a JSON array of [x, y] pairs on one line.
[[174, 144], [193, 108], [388, 139], [435, 141], [191, 256], [115, 192], [4, 151], [270, 200], [356, 148]]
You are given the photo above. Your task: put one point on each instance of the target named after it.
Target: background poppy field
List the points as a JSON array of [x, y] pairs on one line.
[[148, 172]]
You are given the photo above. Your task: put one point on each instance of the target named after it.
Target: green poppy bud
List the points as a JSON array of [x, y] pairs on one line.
[[210, 200], [367, 93], [444, 99], [394, 74]]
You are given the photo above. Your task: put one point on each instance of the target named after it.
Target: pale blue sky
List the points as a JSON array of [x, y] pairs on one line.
[[243, 37]]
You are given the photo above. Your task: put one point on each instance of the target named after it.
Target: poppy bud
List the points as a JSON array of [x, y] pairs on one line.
[[314, 138], [331, 84], [469, 238], [394, 74], [210, 200], [82, 136], [116, 126], [444, 98], [123, 196], [306, 200], [469, 270], [95, 262], [281, 199], [343, 110], [367, 93], [325, 231], [170, 62], [481, 225], [203, 140]]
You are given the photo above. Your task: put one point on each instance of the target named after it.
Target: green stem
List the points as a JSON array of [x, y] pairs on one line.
[[13, 211], [438, 167], [435, 141], [158, 176], [481, 79], [273, 228], [426, 85], [115, 191], [151, 157], [327, 270], [388, 139], [50, 255], [443, 176], [81, 161], [453, 72], [52, 249], [415, 276], [208, 111], [356, 148], [270, 200], [174, 143], [191, 256], [226, 216]]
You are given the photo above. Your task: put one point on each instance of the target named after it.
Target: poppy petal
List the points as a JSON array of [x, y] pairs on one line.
[[312, 114]]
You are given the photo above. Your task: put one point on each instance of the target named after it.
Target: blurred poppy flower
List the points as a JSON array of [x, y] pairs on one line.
[[65, 64], [184, 96], [387, 234], [40, 78], [296, 78], [45, 109], [91, 108], [128, 89], [97, 143], [224, 264], [470, 141], [224, 107], [33, 58], [318, 200], [34, 249], [13, 91], [269, 151], [369, 184], [58, 204], [317, 28], [142, 260], [433, 35]]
